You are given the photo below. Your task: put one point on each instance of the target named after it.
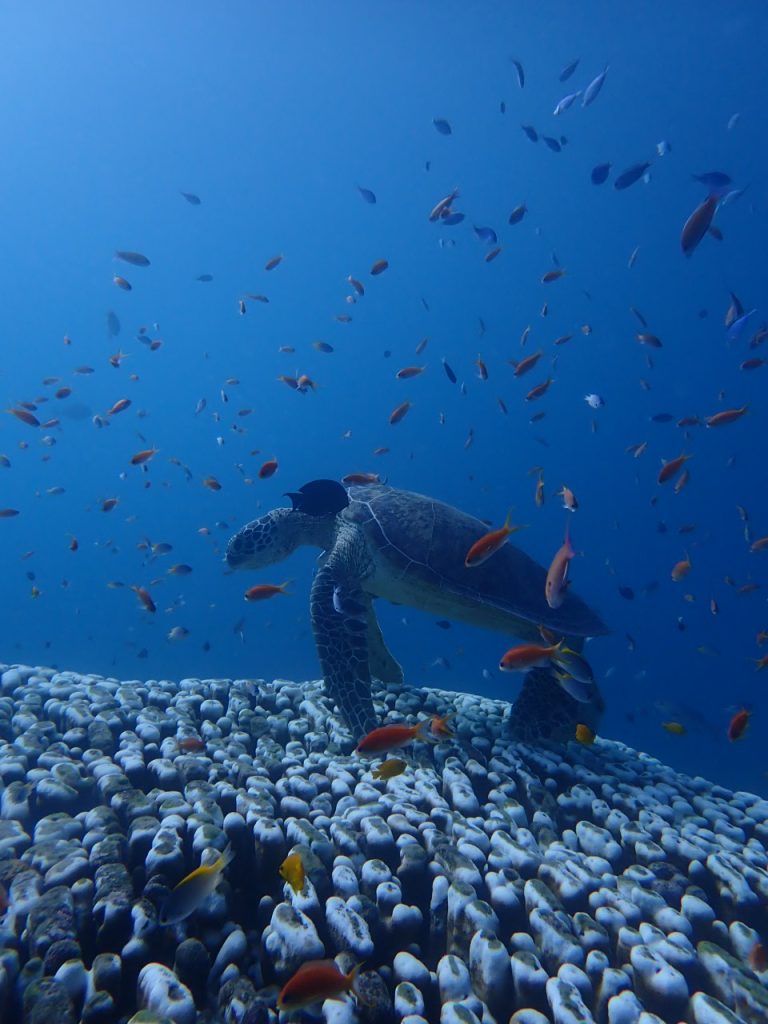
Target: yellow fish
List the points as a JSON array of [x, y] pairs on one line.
[[192, 890], [676, 728], [292, 871], [584, 734], [390, 768]]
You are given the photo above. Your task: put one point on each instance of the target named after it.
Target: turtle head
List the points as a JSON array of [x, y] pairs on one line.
[[276, 535]]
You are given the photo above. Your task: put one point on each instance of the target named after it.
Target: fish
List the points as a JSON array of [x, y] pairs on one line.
[[191, 198], [524, 365], [761, 544], [292, 871], [713, 179], [531, 132], [584, 734], [581, 692], [599, 174], [185, 898], [574, 664], [697, 225], [145, 598], [275, 261], [136, 259], [538, 390], [738, 725], [489, 544], [670, 468], [761, 663], [211, 483], [569, 498], [268, 469], [367, 195], [594, 401], [177, 633], [379, 267], [263, 591], [556, 584], [8, 513], [551, 143], [676, 728], [113, 324], [566, 103], [519, 71], [720, 419], [392, 737], [593, 89], [650, 340], [204, 278], [538, 496], [491, 256], [315, 981], [399, 412], [442, 206], [191, 744], [553, 275], [568, 70], [631, 175], [390, 768], [681, 569], [409, 371], [486, 234], [627, 593], [518, 213], [758, 954], [738, 325], [442, 127], [525, 656], [119, 406], [25, 416], [121, 282], [139, 458]]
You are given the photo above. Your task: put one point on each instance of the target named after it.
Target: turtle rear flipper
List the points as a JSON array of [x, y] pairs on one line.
[[381, 663], [340, 623]]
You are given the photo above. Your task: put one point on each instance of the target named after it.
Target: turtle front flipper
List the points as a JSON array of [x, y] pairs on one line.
[[381, 663], [340, 623]]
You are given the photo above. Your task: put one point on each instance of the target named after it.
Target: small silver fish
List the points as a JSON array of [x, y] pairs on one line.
[[581, 692], [194, 889], [594, 87], [594, 401], [565, 103]]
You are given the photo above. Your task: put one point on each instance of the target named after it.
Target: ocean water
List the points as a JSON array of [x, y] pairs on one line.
[[274, 116]]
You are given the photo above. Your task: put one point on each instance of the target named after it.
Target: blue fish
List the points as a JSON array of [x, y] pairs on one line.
[[520, 73], [738, 325], [531, 132], [452, 218], [553, 144], [568, 70], [442, 126], [367, 194], [600, 174], [713, 179], [631, 175], [593, 89], [487, 235]]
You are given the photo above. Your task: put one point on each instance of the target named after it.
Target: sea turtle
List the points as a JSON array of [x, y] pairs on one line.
[[410, 549]]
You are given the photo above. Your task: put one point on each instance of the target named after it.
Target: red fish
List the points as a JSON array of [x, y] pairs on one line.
[[399, 412], [557, 580], [391, 737], [738, 725], [314, 981], [263, 591], [525, 656], [489, 544], [669, 469], [720, 419], [145, 597], [379, 267], [268, 469]]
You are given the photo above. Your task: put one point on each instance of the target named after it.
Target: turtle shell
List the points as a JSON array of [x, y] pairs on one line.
[[421, 543]]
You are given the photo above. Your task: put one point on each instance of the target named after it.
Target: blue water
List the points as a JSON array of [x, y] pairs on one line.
[[273, 115]]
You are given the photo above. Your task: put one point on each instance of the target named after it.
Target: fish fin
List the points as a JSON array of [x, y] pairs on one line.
[[227, 856], [284, 585]]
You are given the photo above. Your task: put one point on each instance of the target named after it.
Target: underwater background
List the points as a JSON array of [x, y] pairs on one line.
[[274, 118]]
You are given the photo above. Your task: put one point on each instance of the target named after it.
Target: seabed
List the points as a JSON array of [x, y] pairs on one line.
[[492, 881]]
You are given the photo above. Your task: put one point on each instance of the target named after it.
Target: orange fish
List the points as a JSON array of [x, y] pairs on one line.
[[390, 768], [552, 275], [557, 580], [122, 283], [268, 469], [315, 981], [682, 481], [399, 412], [25, 416], [524, 365], [361, 478], [120, 404], [143, 456], [738, 725], [489, 544], [681, 569], [409, 371], [669, 469], [539, 390], [439, 724], [726, 416], [391, 737], [191, 744], [569, 498], [758, 958], [584, 734], [263, 591], [525, 656], [482, 369], [211, 483], [379, 267], [145, 597], [539, 494]]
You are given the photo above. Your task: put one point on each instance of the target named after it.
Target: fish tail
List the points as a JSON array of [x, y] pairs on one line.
[[226, 858], [421, 735], [283, 586], [351, 978]]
